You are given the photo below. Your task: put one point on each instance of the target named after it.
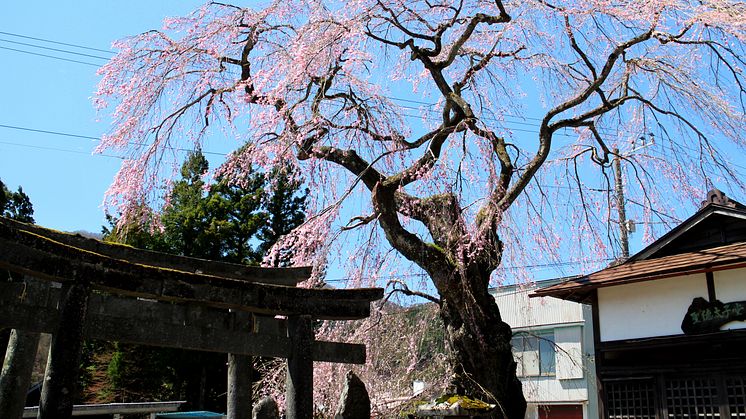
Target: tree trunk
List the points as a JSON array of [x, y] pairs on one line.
[[479, 342], [61, 378], [239, 387], [460, 265], [16, 376]]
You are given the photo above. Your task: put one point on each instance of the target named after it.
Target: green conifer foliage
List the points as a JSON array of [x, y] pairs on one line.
[[15, 205], [234, 221]]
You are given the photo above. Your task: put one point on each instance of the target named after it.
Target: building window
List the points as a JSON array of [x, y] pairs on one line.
[[631, 399], [534, 353]]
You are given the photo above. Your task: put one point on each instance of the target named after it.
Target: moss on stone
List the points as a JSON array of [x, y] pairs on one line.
[[453, 400]]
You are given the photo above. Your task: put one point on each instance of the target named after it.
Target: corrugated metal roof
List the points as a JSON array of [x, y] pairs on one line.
[[713, 259]]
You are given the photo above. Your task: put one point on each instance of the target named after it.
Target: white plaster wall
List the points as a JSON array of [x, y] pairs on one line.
[[730, 285], [647, 309]]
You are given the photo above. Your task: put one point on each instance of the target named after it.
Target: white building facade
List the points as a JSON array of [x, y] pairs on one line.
[[553, 346], [671, 321]]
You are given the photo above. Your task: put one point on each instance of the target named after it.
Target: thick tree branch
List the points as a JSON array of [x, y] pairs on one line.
[[432, 259], [466, 34], [350, 160]]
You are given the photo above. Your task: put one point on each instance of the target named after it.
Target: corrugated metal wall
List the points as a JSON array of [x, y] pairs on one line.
[[520, 311]]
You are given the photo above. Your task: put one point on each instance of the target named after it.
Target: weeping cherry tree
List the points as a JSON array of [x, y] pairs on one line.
[[457, 133]]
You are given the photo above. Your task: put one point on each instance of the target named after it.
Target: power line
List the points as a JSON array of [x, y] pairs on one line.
[[419, 102], [55, 42], [88, 137], [507, 124], [224, 154], [429, 104], [394, 98], [62, 150], [65, 134], [431, 118], [50, 56], [55, 49], [432, 104], [425, 275], [398, 99], [671, 147], [132, 143]]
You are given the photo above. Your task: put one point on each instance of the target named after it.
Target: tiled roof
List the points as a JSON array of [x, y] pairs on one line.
[[717, 258]]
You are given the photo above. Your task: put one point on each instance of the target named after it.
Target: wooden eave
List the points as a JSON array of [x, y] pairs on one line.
[[688, 224], [62, 257], [733, 336], [730, 256]]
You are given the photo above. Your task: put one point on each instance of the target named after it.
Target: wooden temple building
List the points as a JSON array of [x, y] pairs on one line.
[[670, 322], [75, 288]]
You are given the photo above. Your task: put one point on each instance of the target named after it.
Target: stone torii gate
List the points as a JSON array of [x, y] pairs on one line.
[[76, 288]]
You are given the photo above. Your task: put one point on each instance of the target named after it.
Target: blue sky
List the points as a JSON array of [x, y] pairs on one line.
[[65, 182]]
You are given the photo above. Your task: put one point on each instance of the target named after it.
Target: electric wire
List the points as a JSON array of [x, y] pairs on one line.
[[54, 49], [204, 152], [506, 124], [511, 268], [393, 98], [66, 134], [88, 137], [55, 42], [61, 150], [398, 99], [50, 56]]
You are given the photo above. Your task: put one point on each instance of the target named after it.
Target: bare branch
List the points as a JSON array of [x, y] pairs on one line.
[[402, 287], [358, 221]]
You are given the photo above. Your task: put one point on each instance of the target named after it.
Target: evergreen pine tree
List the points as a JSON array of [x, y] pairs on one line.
[[15, 205], [234, 220]]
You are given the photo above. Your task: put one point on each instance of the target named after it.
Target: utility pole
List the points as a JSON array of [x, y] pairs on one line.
[[619, 186], [625, 227]]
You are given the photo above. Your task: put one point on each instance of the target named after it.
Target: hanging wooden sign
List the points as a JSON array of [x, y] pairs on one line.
[[709, 316]]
